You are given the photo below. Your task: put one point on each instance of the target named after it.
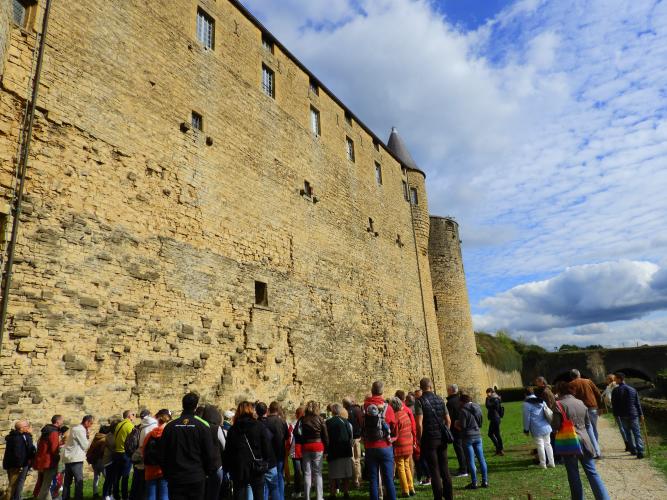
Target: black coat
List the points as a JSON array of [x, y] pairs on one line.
[[237, 458], [186, 450], [19, 450], [214, 418], [278, 433]]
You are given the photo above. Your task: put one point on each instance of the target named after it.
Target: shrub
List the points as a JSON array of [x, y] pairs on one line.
[[512, 394], [498, 351]]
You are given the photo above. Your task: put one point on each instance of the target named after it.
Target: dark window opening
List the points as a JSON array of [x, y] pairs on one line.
[[371, 229], [348, 118], [261, 294], [406, 194], [414, 198], [435, 302], [376, 145], [307, 189], [399, 242], [314, 87], [197, 121], [315, 124], [267, 43], [349, 146]]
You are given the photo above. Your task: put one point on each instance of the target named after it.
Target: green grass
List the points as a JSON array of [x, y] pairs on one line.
[[657, 440], [512, 477]]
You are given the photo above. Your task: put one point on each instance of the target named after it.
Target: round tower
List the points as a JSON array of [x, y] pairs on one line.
[[452, 307], [415, 194]]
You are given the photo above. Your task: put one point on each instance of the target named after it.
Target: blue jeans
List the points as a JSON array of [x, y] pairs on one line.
[[122, 466], [591, 435], [474, 448], [633, 433], [272, 483], [594, 479], [381, 461], [623, 435], [157, 489]]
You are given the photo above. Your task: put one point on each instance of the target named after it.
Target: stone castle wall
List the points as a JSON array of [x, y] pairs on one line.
[[140, 244], [463, 365]]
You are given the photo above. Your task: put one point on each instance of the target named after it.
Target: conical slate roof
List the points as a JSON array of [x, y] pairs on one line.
[[397, 146]]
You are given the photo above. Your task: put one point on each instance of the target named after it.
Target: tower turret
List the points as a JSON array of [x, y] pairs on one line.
[[415, 193], [450, 297]]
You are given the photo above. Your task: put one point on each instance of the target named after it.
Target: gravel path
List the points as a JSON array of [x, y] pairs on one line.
[[626, 477]]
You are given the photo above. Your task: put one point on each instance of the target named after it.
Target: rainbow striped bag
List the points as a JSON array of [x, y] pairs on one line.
[[567, 442]]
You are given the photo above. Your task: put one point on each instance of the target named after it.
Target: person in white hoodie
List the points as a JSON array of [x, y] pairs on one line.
[[147, 424], [74, 454]]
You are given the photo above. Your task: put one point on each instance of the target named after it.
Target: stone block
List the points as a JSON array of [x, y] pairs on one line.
[[26, 345], [76, 365], [90, 302]]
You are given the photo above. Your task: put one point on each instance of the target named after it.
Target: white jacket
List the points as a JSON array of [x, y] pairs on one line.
[[77, 443]]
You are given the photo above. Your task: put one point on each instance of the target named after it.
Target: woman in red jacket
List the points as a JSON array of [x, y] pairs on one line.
[[403, 446]]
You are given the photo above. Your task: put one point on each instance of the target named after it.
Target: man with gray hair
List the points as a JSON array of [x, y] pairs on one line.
[[74, 454], [454, 407], [19, 452]]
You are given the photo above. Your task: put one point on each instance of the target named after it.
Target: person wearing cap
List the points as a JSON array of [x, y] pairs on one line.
[[156, 484]]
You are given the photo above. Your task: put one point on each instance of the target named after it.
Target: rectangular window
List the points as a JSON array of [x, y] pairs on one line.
[[197, 121], [315, 121], [414, 199], [348, 118], [261, 294], [376, 145], [349, 146], [406, 193], [378, 174], [268, 81], [267, 43], [314, 87], [205, 29], [20, 12]]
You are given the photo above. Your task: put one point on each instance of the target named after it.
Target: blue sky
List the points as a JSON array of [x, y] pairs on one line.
[[542, 128]]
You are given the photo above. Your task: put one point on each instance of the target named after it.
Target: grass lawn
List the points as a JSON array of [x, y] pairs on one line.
[[657, 431], [513, 476]]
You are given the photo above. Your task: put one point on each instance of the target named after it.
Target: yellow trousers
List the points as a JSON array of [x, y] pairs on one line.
[[404, 474]]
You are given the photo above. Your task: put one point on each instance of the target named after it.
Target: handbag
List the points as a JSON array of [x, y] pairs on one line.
[[548, 413], [567, 442], [447, 435], [258, 466]]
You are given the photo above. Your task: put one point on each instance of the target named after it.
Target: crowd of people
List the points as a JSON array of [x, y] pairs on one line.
[[249, 453]]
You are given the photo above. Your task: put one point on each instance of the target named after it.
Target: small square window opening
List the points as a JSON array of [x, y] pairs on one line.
[[268, 81], [315, 122], [205, 29], [348, 118], [261, 294], [314, 87], [378, 174], [267, 43], [197, 121], [349, 147]]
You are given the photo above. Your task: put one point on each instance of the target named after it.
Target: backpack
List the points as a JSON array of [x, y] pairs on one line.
[[132, 441], [152, 451], [375, 426]]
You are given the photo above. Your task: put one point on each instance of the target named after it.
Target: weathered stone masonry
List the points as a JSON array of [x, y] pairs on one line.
[[140, 244]]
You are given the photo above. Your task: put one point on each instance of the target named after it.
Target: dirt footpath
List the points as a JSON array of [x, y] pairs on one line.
[[626, 477]]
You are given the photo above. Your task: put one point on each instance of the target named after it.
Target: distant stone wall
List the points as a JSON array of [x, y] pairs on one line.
[[503, 380]]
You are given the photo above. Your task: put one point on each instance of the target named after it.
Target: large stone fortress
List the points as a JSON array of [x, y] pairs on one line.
[[201, 212]]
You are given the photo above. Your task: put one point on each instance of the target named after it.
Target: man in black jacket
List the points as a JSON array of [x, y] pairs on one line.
[[186, 450], [19, 452], [355, 415], [453, 407]]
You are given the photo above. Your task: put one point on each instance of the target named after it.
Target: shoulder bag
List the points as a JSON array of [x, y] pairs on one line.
[[567, 442], [259, 466]]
